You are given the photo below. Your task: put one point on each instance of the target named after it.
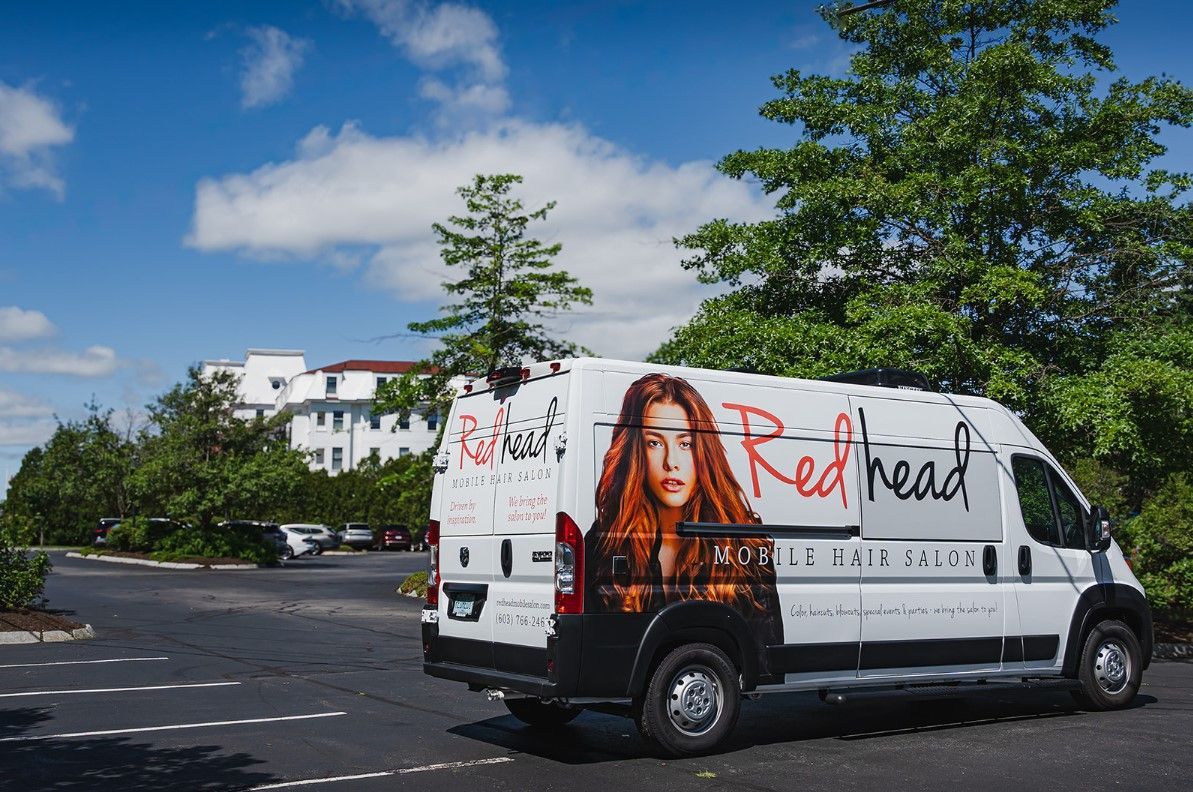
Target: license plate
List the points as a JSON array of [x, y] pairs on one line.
[[462, 606]]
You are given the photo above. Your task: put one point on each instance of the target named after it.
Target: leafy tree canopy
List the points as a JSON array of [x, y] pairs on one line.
[[508, 288], [975, 199], [202, 464]]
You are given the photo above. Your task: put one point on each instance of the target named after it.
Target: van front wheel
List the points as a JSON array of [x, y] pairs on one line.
[[535, 712], [1111, 667], [692, 701]]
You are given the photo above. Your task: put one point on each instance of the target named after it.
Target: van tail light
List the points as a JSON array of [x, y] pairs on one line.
[[433, 573], [569, 565]]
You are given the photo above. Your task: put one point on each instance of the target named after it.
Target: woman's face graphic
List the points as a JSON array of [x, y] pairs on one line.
[[670, 473]]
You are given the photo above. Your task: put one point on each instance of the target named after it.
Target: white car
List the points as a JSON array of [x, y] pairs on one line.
[[358, 535], [300, 541], [326, 537]]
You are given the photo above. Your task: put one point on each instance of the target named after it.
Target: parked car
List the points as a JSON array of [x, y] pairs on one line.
[[298, 542], [358, 535], [326, 537], [271, 534], [394, 537], [100, 537]]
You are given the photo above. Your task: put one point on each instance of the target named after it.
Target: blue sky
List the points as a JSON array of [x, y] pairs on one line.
[[183, 181]]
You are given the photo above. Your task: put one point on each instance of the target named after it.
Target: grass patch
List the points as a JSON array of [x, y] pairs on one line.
[[414, 585]]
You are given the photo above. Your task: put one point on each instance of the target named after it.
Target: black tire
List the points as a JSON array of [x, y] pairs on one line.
[[287, 553], [692, 701], [1110, 667], [535, 712]]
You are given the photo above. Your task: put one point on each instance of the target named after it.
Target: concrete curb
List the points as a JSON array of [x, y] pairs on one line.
[[49, 636], [1172, 651], [163, 564]]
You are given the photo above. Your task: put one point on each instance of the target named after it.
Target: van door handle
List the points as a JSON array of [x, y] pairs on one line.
[[990, 561], [621, 567], [1024, 560], [507, 557]]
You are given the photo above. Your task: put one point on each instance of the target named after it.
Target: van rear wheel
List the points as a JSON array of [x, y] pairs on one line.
[[536, 712], [1110, 668], [692, 701]]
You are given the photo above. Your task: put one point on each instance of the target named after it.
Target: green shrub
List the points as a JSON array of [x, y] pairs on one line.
[[414, 585], [244, 543], [22, 576], [1160, 542], [138, 534]]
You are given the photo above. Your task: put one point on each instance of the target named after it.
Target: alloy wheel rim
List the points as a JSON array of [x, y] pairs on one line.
[[1112, 666], [694, 700]]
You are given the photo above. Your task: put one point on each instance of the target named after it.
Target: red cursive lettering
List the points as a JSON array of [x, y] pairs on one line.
[[482, 451], [831, 478]]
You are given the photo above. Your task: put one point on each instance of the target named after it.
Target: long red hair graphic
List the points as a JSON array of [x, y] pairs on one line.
[[629, 524]]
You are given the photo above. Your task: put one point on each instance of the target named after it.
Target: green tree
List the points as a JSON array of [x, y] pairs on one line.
[[975, 199], [63, 488], [508, 288], [202, 464]]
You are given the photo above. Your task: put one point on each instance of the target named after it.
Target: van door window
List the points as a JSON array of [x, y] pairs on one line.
[[1034, 501], [1069, 511]]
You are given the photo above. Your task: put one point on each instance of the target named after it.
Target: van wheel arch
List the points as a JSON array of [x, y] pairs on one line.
[[1099, 603], [695, 622]]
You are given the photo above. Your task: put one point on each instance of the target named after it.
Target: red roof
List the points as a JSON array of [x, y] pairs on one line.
[[378, 366]]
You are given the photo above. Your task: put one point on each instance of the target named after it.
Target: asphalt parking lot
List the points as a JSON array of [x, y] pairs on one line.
[[309, 676]]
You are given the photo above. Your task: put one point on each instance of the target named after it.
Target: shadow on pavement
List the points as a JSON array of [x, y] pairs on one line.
[[100, 763], [790, 718]]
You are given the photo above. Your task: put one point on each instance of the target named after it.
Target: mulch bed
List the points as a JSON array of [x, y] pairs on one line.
[[204, 560], [28, 620], [1172, 628]]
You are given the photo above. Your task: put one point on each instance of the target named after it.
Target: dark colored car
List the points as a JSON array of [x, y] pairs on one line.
[[271, 534], [100, 536], [394, 537]]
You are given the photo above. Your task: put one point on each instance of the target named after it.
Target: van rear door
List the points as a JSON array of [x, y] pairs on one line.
[[526, 487], [466, 531], [497, 524]]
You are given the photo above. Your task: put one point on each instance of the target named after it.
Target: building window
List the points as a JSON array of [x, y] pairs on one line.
[[320, 419], [375, 452], [403, 452], [337, 458], [432, 421], [404, 422], [260, 413], [337, 420], [319, 457], [381, 381], [331, 385], [374, 421]]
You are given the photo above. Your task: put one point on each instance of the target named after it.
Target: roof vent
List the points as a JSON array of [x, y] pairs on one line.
[[884, 378]]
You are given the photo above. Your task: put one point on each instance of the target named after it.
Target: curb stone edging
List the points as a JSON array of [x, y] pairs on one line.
[[49, 636], [1172, 651], [163, 564]]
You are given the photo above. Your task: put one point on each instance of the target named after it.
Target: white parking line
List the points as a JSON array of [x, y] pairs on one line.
[[116, 690], [382, 774], [84, 662], [169, 728]]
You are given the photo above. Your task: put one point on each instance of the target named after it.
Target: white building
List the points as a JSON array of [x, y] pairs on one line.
[[263, 374], [330, 407]]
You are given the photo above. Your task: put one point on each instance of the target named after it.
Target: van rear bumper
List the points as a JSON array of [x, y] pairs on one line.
[[550, 672]]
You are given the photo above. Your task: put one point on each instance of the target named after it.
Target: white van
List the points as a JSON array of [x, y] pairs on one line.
[[668, 539]]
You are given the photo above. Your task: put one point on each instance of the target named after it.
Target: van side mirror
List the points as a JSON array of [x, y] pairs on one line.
[[1097, 530]]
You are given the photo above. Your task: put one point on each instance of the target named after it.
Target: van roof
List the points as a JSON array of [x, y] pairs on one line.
[[548, 368]]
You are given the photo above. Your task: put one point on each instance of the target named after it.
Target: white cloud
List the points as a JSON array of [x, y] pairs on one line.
[[17, 405], [30, 127], [18, 324], [446, 36], [94, 361], [26, 433], [437, 37], [616, 216], [270, 61]]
